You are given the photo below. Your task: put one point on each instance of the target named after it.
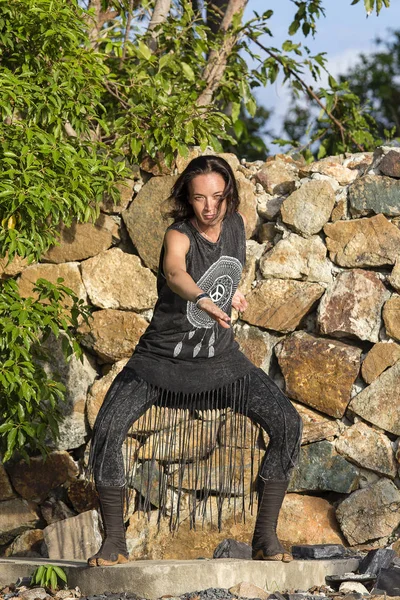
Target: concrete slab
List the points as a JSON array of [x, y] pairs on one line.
[[152, 579]]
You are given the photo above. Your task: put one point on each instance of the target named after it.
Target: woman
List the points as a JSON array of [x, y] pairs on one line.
[[188, 359]]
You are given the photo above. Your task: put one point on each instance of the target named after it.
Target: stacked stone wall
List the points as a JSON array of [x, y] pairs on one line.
[[323, 285]]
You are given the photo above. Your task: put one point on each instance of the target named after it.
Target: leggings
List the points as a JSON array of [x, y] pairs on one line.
[[128, 399]]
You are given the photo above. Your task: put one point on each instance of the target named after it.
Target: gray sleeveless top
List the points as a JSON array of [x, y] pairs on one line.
[[183, 349]]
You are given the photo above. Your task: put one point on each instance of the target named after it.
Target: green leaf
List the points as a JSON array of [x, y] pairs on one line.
[[188, 71]]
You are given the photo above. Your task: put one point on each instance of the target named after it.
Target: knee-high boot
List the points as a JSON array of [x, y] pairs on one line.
[[113, 549], [265, 543]]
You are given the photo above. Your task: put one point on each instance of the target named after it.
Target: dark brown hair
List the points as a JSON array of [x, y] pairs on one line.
[[203, 165]]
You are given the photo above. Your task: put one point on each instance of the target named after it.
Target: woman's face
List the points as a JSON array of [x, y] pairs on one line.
[[205, 193]]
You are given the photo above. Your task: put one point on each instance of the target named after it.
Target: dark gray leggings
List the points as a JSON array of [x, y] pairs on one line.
[[128, 399]]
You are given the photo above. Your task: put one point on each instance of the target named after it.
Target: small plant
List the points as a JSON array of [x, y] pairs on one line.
[[48, 576]]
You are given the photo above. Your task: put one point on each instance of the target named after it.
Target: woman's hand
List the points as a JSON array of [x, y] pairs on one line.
[[239, 302], [213, 311]]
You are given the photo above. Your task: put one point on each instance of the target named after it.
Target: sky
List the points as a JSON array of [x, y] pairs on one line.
[[344, 33]]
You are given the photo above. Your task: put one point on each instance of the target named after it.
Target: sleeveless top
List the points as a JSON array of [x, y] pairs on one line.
[[183, 349]]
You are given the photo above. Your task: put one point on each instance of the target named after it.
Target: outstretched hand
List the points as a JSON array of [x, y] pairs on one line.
[[239, 302], [213, 311]]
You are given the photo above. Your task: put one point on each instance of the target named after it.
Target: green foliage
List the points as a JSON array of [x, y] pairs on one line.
[[49, 576], [30, 402], [50, 81]]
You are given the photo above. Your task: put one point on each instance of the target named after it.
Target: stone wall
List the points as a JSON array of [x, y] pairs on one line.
[[323, 285]]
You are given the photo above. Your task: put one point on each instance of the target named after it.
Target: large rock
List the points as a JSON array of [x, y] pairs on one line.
[[77, 376], [248, 203], [268, 207], [368, 448], [316, 426], [379, 403], [381, 356], [68, 271], [390, 164], [394, 277], [148, 213], [126, 189], [278, 175], [370, 242], [6, 491], [12, 268], [371, 194], [33, 481], [99, 390], [53, 509], [115, 279], [280, 304], [370, 513], [113, 334], [330, 167], [29, 543], [195, 151], [297, 258], [75, 538], [256, 344], [320, 468], [16, 516], [319, 372], [352, 306], [82, 240], [391, 316], [309, 208]]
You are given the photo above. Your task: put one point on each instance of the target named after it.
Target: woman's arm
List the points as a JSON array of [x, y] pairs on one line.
[[176, 246]]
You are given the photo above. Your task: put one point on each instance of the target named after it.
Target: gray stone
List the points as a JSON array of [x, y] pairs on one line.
[[317, 551], [74, 538], [147, 481], [379, 403], [352, 306], [370, 513], [390, 164], [38, 592], [353, 587], [371, 194], [229, 548], [16, 516], [389, 581], [297, 258], [376, 560], [321, 469]]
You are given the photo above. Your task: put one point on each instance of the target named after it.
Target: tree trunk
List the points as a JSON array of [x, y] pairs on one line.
[[160, 14], [215, 11], [217, 61]]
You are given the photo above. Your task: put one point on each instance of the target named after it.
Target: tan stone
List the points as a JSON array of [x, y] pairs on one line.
[[379, 403], [6, 491], [370, 513], [316, 426], [12, 268], [126, 191], [340, 211], [113, 334], [248, 203], [149, 213], [28, 543], [280, 304], [352, 306], [248, 274], [394, 277], [82, 240], [365, 242], [277, 176], [256, 344], [33, 481], [238, 431], [68, 271], [309, 208], [319, 372], [75, 538], [99, 389], [246, 589], [391, 317], [381, 356], [16, 516], [115, 279], [331, 168], [190, 440], [294, 257], [308, 520], [367, 448]]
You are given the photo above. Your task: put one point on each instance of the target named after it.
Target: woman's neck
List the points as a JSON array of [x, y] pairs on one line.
[[210, 233]]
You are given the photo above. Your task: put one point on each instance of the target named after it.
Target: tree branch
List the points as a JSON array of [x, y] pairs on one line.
[[160, 14], [97, 20], [218, 59], [127, 29], [312, 94]]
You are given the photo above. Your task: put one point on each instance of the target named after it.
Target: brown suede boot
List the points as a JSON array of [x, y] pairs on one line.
[[265, 543], [113, 550]]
